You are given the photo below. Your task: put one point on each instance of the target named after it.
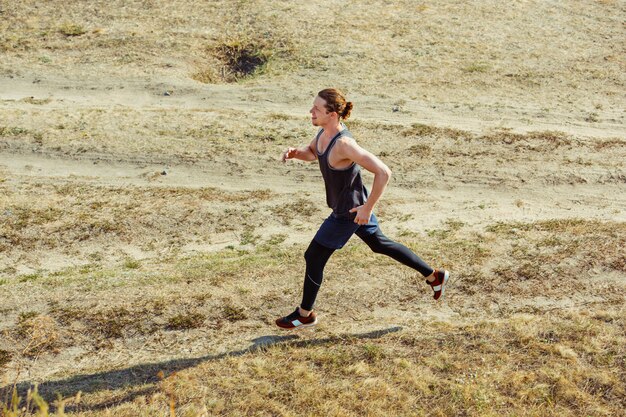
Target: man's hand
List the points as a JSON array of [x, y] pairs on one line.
[[289, 153], [303, 153], [363, 215]]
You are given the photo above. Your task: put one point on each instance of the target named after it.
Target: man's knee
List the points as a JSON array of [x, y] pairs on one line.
[[309, 254], [316, 252], [377, 242]]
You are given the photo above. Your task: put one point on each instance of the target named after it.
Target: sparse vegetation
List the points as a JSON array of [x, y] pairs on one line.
[[37, 335], [186, 321], [492, 343], [72, 29], [476, 67], [233, 313], [301, 208], [5, 357], [132, 263]]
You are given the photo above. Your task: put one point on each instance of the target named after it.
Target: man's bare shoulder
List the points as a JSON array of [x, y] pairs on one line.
[[346, 147], [346, 141]]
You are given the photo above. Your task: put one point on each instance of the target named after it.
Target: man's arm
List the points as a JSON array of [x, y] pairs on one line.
[[349, 149], [304, 153]]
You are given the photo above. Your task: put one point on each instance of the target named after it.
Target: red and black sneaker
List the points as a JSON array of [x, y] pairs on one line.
[[295, 320], [439, 284]]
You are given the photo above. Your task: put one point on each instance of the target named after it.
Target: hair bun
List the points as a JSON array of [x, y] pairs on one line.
[[347, 110]]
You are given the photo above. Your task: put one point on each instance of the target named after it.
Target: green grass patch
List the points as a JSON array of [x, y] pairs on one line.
[[130, 263]]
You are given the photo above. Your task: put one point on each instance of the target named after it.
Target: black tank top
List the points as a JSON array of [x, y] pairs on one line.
[[344, 187]]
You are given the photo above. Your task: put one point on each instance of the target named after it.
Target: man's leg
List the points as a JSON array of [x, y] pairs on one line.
[[332, 235], [379, 243], [316, 257]]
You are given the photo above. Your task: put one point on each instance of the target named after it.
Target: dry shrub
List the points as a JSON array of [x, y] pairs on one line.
[[242, 55], [40, 334]]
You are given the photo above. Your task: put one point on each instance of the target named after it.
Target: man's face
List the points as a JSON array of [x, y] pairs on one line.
[[319, 115]]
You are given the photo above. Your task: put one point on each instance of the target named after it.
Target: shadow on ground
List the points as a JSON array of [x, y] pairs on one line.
[[144, 377]]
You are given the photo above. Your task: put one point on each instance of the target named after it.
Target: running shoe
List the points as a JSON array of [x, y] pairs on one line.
[[295, 320], [439, 284]]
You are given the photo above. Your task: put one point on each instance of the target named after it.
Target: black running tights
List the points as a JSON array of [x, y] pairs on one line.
[[317, 255]]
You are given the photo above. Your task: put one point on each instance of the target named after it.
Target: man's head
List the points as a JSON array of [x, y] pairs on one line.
[[330, 106]]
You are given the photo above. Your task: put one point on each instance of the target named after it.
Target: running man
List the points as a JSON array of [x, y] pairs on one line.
[[340, 158]]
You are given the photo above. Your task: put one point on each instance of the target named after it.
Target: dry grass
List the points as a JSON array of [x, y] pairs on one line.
[[40, 334], [507, 367], [186, 321], [565, 364], [241, 56], [548, 360], [447, 52], [549, 250], [149, 237], [73, 215], [214, 299]]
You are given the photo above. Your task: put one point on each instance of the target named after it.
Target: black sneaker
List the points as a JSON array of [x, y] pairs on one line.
[[295, 320]]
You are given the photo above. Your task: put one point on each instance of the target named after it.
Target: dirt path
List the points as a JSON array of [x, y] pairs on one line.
[[476, 205], [184, 93]]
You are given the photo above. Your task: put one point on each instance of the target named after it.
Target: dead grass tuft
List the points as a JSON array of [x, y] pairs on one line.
[[5, 357], [186, 321], [420, 150], [602, 144], [67, 315], [39, 333], [72, 29], [233, 313], [242, 57], [422, 130], [109, 324], [130, 263]]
